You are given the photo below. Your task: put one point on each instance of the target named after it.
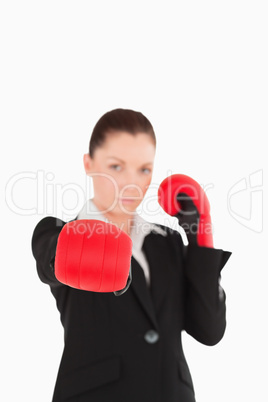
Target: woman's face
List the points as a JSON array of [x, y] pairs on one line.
[[121, 170]]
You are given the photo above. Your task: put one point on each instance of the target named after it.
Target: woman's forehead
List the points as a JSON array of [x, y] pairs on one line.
[[127, 146]]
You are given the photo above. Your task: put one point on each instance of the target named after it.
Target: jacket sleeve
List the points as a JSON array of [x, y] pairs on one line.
[[205, 308], [44, 243]]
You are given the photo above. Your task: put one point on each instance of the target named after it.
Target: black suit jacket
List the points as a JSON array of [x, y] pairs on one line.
[[128, 348]]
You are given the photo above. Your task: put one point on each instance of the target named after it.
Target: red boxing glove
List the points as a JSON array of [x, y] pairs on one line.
[[181, 196], [94, 255]]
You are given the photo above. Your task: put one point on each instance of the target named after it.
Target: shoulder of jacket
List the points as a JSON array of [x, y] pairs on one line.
[[49, 222], [45, 228]]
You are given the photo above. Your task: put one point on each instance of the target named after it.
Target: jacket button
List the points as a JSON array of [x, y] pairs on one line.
[[151, 336]]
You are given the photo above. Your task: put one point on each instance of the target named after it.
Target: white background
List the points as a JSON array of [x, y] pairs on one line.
[[198, 71]]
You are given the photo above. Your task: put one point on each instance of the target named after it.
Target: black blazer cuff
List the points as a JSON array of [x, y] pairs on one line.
[[203, 261]]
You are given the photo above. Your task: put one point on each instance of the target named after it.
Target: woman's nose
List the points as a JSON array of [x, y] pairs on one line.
[[131, 189], [130, 185], [130, 178]]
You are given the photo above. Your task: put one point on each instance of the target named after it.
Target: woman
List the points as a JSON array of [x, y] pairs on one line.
[[128, 348]]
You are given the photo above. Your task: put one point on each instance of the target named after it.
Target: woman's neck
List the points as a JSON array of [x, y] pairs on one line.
[[123, 221]]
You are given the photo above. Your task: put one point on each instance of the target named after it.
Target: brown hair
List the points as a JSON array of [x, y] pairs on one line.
[[119, 120]]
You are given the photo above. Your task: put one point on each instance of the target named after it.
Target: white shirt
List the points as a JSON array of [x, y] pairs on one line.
[[139, 230]]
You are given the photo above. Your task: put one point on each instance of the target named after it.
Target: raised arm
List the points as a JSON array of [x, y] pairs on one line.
[[205, 309]]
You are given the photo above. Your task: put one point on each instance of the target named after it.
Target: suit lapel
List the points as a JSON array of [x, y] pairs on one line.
[[141, 290], [155, 249]]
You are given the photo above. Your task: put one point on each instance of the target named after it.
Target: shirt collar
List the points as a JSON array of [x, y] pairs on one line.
[[139, 230]]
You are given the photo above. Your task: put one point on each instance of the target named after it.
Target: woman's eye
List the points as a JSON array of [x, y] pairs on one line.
[[118, 168], [147, 171], [114, 167]]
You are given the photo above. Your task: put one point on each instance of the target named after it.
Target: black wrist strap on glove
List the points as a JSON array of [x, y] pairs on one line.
[[188, 217]]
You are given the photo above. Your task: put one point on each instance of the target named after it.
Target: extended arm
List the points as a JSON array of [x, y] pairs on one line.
[[84, 254], [44, 243]]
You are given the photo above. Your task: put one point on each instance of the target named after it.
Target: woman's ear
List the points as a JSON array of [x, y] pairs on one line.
[[87, 163]]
